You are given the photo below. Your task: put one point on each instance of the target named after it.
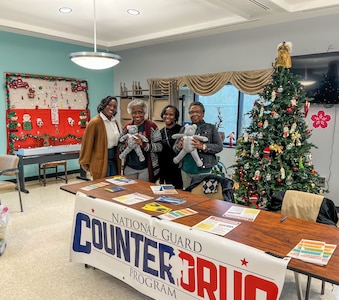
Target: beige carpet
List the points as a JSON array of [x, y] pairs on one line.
[[35, 264]]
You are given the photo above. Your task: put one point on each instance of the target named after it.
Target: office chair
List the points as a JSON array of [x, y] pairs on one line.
[[311, 207], [212, 186], [9, 167]]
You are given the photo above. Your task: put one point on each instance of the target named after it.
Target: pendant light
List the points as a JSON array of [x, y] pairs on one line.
[[95, 60]]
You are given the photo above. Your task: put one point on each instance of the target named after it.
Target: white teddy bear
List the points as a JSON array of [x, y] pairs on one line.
[[130, 138], [188, 136]]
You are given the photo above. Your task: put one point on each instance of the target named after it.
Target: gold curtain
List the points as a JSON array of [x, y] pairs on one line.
[[248, 82]]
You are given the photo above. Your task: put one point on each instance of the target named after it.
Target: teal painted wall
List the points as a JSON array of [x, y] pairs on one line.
[[24, 54]]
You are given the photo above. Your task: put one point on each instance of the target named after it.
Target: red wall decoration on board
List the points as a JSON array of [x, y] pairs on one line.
[[45, 110]]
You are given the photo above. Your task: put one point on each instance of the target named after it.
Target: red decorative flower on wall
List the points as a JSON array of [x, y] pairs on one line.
[[321, 119]]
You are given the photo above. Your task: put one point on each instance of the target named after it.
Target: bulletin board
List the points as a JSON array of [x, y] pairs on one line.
[[45, 110]]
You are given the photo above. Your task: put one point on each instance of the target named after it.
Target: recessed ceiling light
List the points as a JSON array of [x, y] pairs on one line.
[[65, 10], [133, 12]]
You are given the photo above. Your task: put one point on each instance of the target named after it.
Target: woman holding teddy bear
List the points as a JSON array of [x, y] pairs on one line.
[[133, 167]]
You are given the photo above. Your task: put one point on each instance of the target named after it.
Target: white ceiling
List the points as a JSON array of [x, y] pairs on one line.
[[159, 21]]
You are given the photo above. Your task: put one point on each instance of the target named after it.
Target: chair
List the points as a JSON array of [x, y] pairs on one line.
[[212, 186], [9, 167], [311, 207], [52, 164]]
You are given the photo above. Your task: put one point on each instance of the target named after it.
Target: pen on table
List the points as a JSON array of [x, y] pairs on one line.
[[283, 219]]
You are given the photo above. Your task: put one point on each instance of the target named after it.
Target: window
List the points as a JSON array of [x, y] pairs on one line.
[[233, 106]]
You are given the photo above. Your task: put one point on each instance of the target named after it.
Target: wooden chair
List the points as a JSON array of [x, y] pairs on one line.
[[53, 164], [307, 206], [212, 186], [9, 167]]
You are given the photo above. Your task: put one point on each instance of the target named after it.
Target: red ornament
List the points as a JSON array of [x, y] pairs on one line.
[[288, 109], [295, 169], [279, 180]]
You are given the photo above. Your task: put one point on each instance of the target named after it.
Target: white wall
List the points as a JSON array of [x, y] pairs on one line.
[[245, 50]]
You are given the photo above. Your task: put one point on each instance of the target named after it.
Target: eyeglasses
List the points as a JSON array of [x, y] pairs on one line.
[[192, 112]]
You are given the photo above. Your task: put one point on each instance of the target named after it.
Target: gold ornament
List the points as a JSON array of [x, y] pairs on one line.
[[284, 58]]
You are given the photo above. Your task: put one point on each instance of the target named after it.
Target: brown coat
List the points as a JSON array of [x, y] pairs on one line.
[[94, 148]]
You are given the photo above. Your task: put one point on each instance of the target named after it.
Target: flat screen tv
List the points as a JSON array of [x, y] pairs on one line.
[[318, 73]]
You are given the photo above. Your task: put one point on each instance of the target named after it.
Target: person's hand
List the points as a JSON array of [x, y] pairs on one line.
[[138, 141], [85, 167], [180, 143], [197, 144]]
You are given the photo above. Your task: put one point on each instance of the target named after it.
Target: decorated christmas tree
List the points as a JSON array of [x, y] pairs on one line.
[[274, 154]]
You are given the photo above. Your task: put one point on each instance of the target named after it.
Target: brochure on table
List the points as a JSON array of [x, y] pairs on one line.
[[241, 213], [120, 180], [316, 252], [217, 225], [132, 198]]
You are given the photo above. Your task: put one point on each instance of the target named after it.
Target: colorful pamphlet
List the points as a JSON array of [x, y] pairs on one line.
[[241, 213], [94, 186], [176, 214], [115, 189], [217, 225], [163, 189], [154, 206], [170, 200], [316, 252], [132, 198], [120, 180]]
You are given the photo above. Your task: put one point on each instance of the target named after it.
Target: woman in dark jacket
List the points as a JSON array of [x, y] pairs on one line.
[[169, 171]]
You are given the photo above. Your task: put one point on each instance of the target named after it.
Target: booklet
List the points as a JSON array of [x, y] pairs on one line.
[[316, 252], [241, 213], [217, 225], [154, 206], [170, 199], [115, 189], [132, 198], [120, 180], [94, 186], [163, 189], [176, 214]]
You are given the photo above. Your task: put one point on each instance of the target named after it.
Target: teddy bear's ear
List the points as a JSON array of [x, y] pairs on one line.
[[194, 126]]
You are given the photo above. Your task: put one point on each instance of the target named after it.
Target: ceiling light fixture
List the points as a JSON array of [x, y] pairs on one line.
[[133, 12], [65, 10], [95, 60]]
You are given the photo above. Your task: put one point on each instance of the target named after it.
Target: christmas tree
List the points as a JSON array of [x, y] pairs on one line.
[[274, 154]]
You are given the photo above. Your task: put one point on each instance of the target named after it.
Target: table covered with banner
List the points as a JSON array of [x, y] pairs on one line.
[[169, 260]]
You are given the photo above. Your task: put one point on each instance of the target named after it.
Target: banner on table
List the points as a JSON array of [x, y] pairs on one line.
[[166, 260]]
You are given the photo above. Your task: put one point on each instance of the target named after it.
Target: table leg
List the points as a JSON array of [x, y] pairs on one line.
[[22, 176], [298, 285], [308, 286]]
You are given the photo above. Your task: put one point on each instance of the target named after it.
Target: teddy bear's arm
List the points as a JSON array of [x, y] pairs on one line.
[[200, 138], [178, 135], [143, 138]]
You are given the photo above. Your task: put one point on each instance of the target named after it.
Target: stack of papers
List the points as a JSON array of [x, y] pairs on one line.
[[163, 189], [170, 200], [120, 180], [154, 206], [132, 198], [94, 186], [176, 214], [241, 213], [315, 252], [217, 225]]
